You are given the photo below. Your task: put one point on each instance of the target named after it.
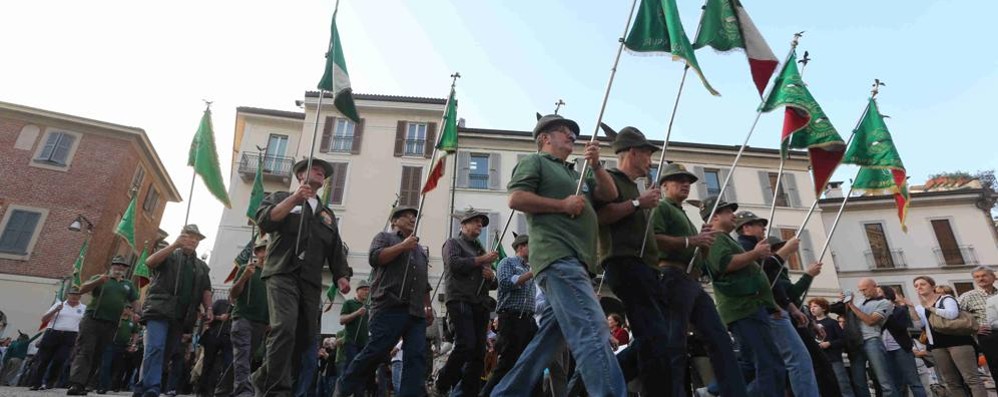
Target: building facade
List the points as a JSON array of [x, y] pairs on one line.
[[950, 232], [56, 169]]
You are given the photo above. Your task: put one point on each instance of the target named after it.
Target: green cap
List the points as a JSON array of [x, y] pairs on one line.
[[519, 240], [193, 230], [120, 261], [675, 170], [745, 217], [627, 138], [470, 214], [398, 211], [300, 165], [708, 205], [545, 122]]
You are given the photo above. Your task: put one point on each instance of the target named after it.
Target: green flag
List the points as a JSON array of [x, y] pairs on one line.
[[78, 266], [204, 158], [141, 270], [331, 292], [882, 171], [500, 250], [658, 29], [335, 78], [256, 195], [126, 227], [448, 139]]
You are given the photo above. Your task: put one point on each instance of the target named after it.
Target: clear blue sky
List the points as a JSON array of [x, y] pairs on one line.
[[150, 64]]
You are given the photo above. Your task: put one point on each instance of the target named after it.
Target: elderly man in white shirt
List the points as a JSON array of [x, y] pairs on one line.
[[63, 320]]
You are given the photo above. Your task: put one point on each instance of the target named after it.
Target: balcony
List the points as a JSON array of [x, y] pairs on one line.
[[894, 259], [478, 181], [277, 168], [956, 256]]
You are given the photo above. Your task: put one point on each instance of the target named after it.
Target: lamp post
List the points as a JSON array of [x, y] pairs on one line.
[[81, 223]]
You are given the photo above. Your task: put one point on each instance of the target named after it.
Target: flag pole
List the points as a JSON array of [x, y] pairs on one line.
[[606, 96], [495, 247], [741, 150], [783, 161]]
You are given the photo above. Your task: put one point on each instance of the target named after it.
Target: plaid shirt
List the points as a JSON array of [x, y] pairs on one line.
[[976, 303], [512, 297]]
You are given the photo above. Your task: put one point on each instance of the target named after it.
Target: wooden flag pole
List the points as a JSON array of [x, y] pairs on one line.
[[606, 96], [741, 150]]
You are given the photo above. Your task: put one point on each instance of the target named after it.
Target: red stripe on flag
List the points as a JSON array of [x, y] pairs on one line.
[[435, 175], [823, 165], [143, 281], [901, 199], [793, 120], [232, 275], [762, 70]]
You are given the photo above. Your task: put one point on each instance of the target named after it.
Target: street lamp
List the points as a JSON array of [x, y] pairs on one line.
[[78, 223]]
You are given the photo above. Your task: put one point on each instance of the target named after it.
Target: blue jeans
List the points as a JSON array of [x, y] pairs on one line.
[[397, 376], [797, 360], [386, 327], [574, 317], [905, 373], [326, 385], [111, 352], [755, 336], [842, 376], [873, 352], [160, 339], [309, 364]]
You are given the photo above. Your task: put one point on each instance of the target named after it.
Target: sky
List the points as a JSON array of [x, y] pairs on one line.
[[150, 64]]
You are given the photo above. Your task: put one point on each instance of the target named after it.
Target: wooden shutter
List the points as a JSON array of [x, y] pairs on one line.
[[339, 180], [50, 143], [358, 137], [948, 246], [20, 228], [767, 188], [729, 192], [327, 134], [61, 153], [495, 171], [431, 139], [790, 187], [400, 137], [701, 182], [495, 226], [463, 168]]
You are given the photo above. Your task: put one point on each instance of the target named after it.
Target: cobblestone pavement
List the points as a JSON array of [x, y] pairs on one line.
[[8, 391]]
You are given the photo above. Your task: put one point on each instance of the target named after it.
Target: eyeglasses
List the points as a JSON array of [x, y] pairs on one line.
[[568, 133]]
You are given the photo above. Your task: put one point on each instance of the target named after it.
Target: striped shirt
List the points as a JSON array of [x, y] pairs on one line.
[[512, 297]]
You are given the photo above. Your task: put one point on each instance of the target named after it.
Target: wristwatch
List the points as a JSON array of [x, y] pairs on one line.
[[636, 203]]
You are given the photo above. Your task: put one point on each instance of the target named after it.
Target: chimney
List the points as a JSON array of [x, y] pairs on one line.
[[834, 190], [460, 122]]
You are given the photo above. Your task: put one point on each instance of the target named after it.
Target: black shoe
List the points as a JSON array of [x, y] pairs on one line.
[[34, 388], [76, 390], [101, 391]]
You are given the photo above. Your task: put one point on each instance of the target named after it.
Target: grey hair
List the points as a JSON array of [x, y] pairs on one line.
[[983, 268]]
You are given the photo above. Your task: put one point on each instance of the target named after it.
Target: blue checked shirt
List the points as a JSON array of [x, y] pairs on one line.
[[512, 297]]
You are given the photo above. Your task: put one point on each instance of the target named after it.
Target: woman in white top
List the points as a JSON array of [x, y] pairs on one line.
[[954, 354], [63, 320]]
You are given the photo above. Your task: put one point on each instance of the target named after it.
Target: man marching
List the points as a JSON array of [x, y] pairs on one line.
[[249, 322], [110, 293], [400, 308], [293, 273], [515, 310], [562, 227]]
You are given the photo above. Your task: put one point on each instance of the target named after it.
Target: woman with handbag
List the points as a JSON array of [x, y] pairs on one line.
[[951, 347]]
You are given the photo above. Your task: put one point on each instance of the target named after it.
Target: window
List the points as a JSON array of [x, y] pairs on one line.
[[338, 181], [277, 145], [879, 249], [343, 135], [898, 289], [962, 287], [409, 190], [948, 248], [712, 181], [794, 261], [478, 171], [140, 174], [781, 194], [415, 139], [57, 149], [19, 231], [151, 201]]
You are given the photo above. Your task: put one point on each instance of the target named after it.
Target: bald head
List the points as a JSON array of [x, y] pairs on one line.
[[868, 287]]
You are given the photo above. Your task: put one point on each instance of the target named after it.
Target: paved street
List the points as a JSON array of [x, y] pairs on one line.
[[7, 391]]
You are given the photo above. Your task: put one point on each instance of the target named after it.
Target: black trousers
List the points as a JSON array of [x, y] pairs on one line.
[[989, 346], [515, 332], [828, 385], [467, 361], [54, 348]]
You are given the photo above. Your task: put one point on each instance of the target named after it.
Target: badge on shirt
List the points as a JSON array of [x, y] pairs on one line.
[[585, 188], [326, 219]]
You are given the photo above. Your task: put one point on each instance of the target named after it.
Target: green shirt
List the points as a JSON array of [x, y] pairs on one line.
[[126, 328], [741, 293], [341, 352], [554, 236], [623, 237], [109, 299], [671, 220], [252, 302], [185, 292], [356, 329]]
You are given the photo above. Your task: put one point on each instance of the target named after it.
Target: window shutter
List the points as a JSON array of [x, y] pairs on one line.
[[806, 249], [358, 137], [339, 183], [404, 186], [767, 189], [50, 143], [790, 185], [20, 228], [400, 138], [494, 227], [327, 134], [701, 183], [495, 168], [431, 139], [521, 223], [463, 168], [61, 154], [729, 192], [455, 227]]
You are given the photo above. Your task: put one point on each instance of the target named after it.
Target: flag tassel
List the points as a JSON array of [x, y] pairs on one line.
[[606, 95]]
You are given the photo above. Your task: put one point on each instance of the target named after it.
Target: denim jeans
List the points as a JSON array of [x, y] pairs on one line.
[[904, 372], [755, 336], [386, 327], [304, 386], [798, 363], [873, 352], [695, 307], [396, 376], [573, 317], [111, 353], [843, 377], [161, 337]]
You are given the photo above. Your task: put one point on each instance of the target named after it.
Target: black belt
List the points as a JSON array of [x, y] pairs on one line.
[[516, 313]]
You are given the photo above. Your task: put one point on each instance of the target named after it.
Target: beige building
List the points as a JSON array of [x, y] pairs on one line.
[[950, 232]]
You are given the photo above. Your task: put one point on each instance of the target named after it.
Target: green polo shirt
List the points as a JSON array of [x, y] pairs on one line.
[[109, 299], [252, 303], [126, 328], [623, 237], [741, 293], [554, 236], [671, 220], [356, 329]]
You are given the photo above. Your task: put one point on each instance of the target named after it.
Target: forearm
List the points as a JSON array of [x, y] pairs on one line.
[[282, 209], [89, 286], [523, 278], [865, 318], [389, 254], [348, 318], [237, 288], [740, 261], [532, 203], [785, 251], [605, 190], [206, 300], [613, 212], [154, 260]]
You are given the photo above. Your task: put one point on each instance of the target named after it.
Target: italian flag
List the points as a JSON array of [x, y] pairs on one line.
[[446, 144], [725, 26]]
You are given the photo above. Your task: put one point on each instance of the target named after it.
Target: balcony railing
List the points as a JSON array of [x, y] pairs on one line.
[[341, 144], [478, 181], [415, 147], [956, 256], [894, 259], [274, 167]]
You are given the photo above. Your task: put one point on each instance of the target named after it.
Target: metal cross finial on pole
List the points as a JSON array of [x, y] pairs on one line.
[[876, 87], [558, 105], [803, 62], [207, 104]]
